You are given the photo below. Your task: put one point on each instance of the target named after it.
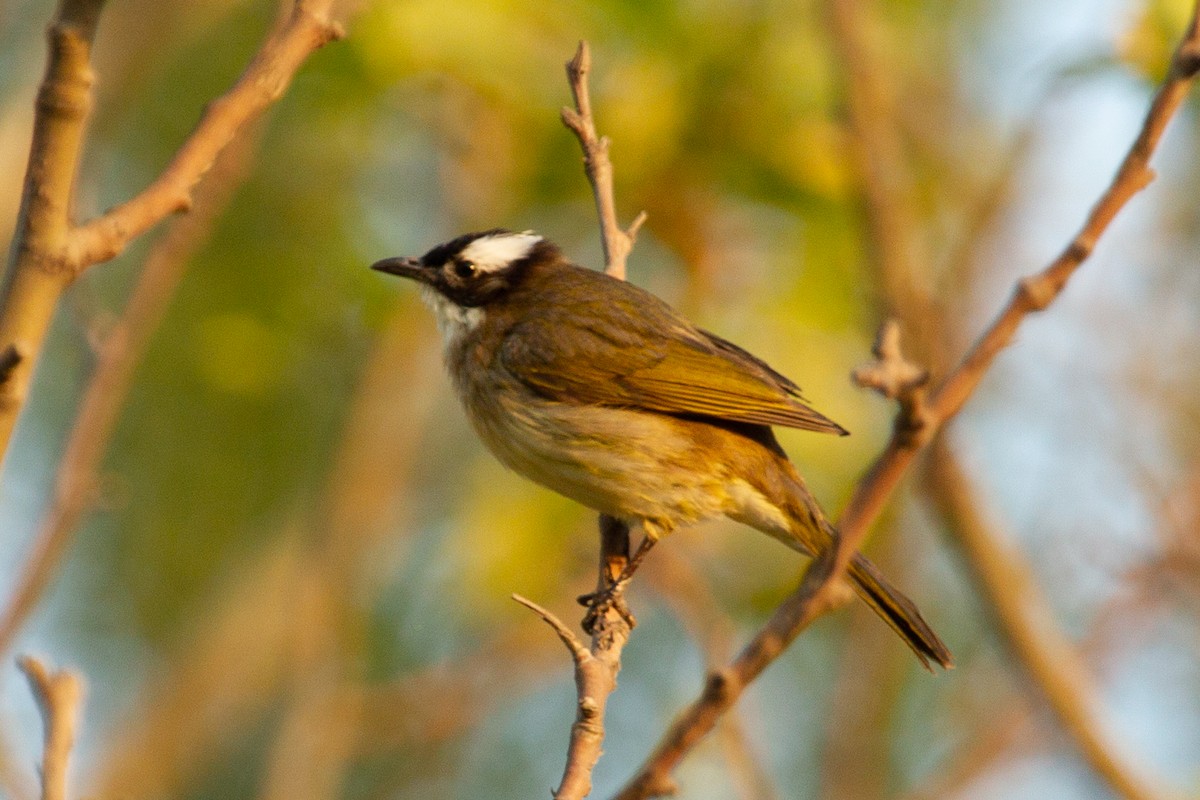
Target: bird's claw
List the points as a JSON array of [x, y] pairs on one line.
[[599, 603]]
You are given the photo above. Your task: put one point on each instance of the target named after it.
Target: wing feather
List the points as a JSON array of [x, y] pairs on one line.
[[637, 352]]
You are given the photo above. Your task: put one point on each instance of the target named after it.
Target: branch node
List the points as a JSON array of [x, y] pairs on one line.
[[10, 358], [1036, 291], [1187, 59], [58, 695], [890, 374], [1079, 249], [571, 119], [580, 64], [721, 685], [588, 708], [896, 378]]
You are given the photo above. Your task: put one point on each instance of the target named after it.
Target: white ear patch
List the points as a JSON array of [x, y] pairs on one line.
[[495, 252]]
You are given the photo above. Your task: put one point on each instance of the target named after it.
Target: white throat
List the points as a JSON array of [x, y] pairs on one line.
[[454, 321]]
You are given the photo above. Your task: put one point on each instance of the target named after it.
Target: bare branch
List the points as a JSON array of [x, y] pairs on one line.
[[1033, 293], [38, 270], [896, 378], [48, 252], [307, 28], [58, 695], [816, 593], [77, 476], [575, 647], [609, 623], [596, 163], [596, 671]]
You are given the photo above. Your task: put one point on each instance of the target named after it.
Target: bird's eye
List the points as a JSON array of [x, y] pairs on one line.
[[465, 269]]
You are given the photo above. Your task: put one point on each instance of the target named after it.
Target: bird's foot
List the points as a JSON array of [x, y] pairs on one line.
[[601, 602]]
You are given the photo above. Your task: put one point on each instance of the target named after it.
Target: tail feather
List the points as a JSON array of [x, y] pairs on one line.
[[812, 531], [898, 612], [809, 531]]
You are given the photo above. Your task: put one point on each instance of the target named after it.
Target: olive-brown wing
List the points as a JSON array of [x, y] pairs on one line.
[[635, 352]]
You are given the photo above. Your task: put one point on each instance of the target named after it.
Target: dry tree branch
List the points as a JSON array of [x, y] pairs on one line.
[[596, 667], [58, 695], [816, 592], [617, 241], [37, 269], [595, 679], [1008, 587], [1033, 293], [306, 29], [49, 251], [77, 478]]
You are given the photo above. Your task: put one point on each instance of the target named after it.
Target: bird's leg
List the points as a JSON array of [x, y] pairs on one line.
[[611, 590]]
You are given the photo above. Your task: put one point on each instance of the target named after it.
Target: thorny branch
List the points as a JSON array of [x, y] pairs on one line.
[[813, 596]]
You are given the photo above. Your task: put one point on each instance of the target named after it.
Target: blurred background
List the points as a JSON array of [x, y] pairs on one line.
[[291, 575]]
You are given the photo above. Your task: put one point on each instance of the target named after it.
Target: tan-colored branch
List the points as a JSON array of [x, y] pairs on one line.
[[38, 269], [617, 242], [77, 476], [48, 251], [58, 695], [596, 667], [307, 28], [896, 378], [816, 593], [595, 679], [1021, 613], [1033, 293], [1014, 598]]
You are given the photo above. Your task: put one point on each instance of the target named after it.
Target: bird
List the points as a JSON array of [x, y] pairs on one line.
[[601, 391]]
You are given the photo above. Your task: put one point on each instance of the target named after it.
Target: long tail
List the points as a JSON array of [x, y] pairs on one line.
[[898, 612], [811, 531]]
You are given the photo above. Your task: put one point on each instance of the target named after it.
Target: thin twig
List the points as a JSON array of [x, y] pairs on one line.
[[597, 666], [58, 695], [617, 242], [595, 679], [48, 250], [1005, 580], [815, 595], [1032, 294], [77, 479], [307, 29]]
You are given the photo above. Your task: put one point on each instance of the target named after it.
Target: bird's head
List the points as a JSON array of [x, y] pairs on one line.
[[476, 268]]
